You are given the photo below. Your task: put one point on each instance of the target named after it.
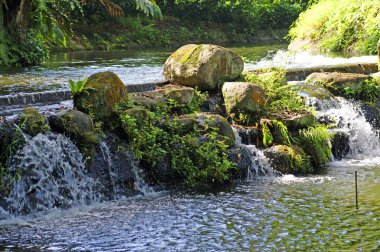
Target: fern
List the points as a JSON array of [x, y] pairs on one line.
[[315, 142], [281, 133], [267, 136]]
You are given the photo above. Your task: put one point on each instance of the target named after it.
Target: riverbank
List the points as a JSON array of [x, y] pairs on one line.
[[169, 32]]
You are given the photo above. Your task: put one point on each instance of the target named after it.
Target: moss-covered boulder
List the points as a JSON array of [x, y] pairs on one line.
[[296, 119], [180, 95], [243, 97], [185, 124], [100, 94], [289, 160], [336, 82], [376, 77], [71, 122], [203, 66], [213, 121], [150, 100], [33, 122]]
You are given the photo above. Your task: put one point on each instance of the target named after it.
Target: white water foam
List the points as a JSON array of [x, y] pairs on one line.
[[363, 140], [53, 175], [294, 60], [260, 165]]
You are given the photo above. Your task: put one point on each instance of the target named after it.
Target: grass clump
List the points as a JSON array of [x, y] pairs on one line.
[[346, 25]]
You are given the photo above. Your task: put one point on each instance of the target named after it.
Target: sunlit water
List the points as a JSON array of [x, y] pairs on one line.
[[285, 213]]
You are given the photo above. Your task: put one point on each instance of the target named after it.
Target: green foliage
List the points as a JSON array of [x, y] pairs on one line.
[[280, 133], [316, 142], [340, 25], [368, 91], [267, 135], [197, 157], [77, 86], [249, 15], [279, 98]]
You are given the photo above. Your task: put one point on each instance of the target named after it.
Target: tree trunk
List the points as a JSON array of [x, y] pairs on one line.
[[17, 15]]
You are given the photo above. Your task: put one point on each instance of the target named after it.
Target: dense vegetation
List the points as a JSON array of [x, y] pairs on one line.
[[346, 25], [31, 28]]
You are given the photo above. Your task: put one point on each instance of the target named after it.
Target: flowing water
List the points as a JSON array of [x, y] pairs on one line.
[[279, 213]]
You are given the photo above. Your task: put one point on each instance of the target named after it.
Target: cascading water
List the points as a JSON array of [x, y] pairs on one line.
[[53, 176], [139, 184], [260, 165], [364, 142]]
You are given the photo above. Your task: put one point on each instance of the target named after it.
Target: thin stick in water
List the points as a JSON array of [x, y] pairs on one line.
[[356, 189]]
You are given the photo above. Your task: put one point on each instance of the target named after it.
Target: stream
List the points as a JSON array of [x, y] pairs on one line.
[[264, 213]]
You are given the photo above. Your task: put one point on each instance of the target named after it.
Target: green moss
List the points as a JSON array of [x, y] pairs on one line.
[[290, 159], [191, 57], [33, 122]]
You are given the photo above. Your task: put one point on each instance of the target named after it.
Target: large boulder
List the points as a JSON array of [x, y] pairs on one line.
[[203, 66], [33, 122], [100, 94], [289, 160], [243, 97], [335, 82]]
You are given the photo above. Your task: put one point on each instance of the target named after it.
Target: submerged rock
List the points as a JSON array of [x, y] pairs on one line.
[[336, 82], [243, 97], [307, 90], [340, 144], [33, 122], [289, 160], [100, 94], [203, 66]]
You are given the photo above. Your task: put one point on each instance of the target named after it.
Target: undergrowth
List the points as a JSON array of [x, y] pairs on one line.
[[346, 25]]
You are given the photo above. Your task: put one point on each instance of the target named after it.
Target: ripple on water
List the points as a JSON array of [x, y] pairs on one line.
[[313, 213]]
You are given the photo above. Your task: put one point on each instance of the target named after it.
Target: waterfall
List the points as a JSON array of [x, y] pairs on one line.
[[259, 164], [53, 175], [114, 172], [364, 142]]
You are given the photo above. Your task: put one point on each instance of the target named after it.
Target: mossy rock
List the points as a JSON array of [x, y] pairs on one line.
[[100, 94], [213, 121], [289, 159], [336, 82], [309, 90], [79, 127], [203, 66], [151, 100], [71, 122], [243, 97], [296, 119], [376, 77], [181, 95], [33, 122]]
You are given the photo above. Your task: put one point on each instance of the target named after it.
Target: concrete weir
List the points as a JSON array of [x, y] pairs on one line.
[[11, 104], [300, 73]]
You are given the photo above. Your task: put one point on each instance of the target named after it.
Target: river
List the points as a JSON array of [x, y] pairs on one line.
[[313, 213]]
